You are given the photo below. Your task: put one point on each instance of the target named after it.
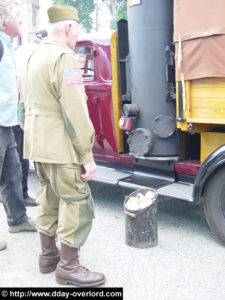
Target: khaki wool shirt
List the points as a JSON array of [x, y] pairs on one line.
[[57, 126]]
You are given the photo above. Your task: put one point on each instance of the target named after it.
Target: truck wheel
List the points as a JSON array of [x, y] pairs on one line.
[[214, 203]]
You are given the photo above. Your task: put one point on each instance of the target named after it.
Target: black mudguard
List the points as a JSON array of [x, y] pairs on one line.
[[215, 160]]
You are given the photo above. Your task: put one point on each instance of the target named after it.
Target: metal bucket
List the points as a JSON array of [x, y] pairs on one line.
[[141, 225]]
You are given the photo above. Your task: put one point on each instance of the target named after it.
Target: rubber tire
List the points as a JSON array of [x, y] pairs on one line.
[[214, 203]]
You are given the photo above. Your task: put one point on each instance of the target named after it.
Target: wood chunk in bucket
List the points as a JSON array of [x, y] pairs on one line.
[[141, 201]]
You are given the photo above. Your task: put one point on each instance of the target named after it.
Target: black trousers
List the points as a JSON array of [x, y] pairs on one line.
[[11, 178], [18, 133]]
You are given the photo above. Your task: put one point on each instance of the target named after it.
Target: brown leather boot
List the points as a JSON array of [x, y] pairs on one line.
[[49, 257], [69, 270]]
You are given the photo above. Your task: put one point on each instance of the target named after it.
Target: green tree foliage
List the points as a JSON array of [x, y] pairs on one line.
[[84, 7], [118, 9]]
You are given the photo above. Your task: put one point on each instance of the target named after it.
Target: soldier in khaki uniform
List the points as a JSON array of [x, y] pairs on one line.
[[59, 138]]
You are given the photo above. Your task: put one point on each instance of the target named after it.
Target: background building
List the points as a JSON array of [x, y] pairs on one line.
[[33, 14]]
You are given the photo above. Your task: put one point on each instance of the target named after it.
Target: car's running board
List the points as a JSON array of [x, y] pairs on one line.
[[163, 186], [177, 190], [110, 176], [129, 180]]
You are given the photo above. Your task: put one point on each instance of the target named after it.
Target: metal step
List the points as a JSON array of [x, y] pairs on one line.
[[128, 180], [133, 181], [137, 181], [109, 175], [177, 190]]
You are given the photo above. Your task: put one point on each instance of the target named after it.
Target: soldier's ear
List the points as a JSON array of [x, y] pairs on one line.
[[69, 28]]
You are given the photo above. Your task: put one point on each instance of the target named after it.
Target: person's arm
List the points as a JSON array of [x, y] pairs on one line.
[[22, 115], [1, 50], [72, 98]]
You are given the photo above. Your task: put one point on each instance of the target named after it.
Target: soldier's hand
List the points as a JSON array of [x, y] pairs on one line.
[[90, 170]]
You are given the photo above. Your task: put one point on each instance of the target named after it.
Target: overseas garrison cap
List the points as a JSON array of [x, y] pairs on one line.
[[58, 13]]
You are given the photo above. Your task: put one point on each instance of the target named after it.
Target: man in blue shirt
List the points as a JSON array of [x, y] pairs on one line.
[[10, 166]]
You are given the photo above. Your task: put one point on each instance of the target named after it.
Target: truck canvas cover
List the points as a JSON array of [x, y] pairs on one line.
[[199, 36]]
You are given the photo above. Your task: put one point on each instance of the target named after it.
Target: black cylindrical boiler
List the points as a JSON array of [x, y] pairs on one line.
[[150, 27]]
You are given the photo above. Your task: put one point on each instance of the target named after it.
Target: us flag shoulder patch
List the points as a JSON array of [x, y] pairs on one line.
[[73, 76]]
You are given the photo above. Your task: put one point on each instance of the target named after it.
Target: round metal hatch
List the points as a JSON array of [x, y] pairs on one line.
[[163, 126], [140, 141]]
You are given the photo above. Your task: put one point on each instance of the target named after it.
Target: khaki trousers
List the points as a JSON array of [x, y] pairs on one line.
[[66, 207]]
